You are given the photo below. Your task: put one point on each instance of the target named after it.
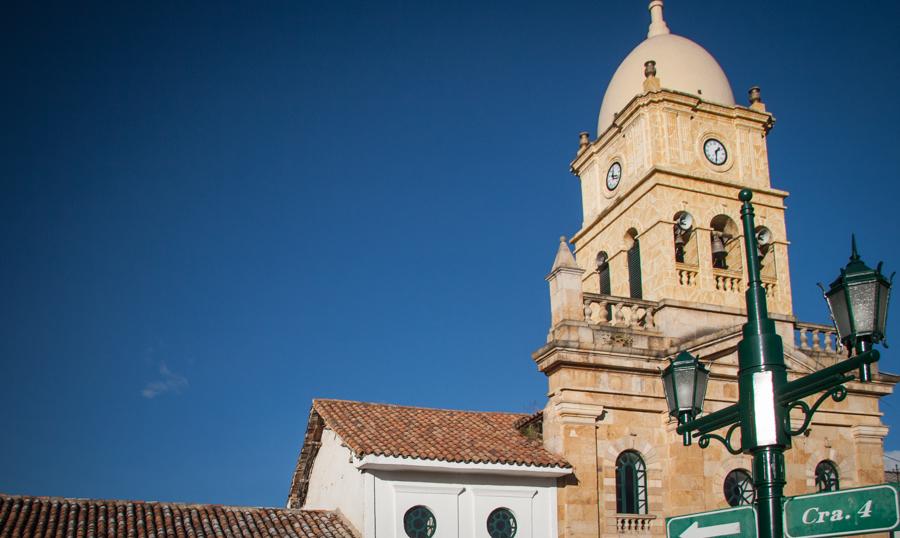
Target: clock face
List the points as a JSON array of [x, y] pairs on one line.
[[715, 151], [613, 176]]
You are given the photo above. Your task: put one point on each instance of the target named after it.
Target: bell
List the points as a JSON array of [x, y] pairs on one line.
[[719, 254], [718, 245]]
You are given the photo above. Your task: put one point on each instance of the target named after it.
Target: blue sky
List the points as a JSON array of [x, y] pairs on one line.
[[214, 213]]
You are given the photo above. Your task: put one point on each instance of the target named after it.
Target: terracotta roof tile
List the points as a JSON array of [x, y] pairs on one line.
[[436, 434], [55, 517]]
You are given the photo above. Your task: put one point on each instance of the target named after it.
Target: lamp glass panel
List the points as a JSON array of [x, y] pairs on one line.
[[670, 391], [862, 301], [838, 303], [884, 292], [684, 387], [700, 393]]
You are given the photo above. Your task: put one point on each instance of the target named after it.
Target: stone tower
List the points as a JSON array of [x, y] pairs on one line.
[[659, 267]]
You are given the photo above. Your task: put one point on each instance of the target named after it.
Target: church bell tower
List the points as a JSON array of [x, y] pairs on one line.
[[659, 267]]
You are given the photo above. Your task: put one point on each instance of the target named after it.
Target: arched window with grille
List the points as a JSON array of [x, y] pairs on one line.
[[603, 273], [738, 488], [827, 476], [631, 483], [635, 287]]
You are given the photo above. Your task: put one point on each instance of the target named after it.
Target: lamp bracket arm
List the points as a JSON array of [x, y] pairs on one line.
[[711, 422], [837, 394], [726, 440], [825, 378]]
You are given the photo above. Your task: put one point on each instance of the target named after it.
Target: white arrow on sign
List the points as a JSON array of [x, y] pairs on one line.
[[694, 531]]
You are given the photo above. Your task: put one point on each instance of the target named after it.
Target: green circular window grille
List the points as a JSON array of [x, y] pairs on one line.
[[738, 488], [419, 522], [501, 523]]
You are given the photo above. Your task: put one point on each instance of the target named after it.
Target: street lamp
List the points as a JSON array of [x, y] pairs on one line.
[[858, 301], [685, 382]]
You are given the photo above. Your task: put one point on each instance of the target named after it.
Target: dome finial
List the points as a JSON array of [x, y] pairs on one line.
[[657, 23]]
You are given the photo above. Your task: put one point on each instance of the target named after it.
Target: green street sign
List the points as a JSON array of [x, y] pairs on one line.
[[734, 522], [842, 513]]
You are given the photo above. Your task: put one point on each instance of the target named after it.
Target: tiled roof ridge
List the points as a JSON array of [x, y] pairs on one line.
[[505, 413], [75, 500], [537, 415]]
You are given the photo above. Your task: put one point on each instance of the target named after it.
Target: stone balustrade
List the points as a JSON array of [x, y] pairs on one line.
[[634, 523], [619, 311], [687, 274], [728, 281], [816, 337]]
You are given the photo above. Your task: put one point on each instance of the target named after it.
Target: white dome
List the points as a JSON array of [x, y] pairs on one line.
[[681, 65]]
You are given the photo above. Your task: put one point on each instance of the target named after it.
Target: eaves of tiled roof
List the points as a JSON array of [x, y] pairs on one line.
[[419, 433], [55, 517]]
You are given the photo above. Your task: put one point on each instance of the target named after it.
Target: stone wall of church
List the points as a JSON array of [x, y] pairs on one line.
[[594, 415]]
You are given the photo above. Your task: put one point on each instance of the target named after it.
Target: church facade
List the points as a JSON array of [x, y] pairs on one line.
[[656, 268]]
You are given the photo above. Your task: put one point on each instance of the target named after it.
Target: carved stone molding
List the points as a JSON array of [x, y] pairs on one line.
[[578, 413]]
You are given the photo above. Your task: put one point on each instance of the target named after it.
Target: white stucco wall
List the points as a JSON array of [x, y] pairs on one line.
[[461, 502], [334, 483], [374, 493]]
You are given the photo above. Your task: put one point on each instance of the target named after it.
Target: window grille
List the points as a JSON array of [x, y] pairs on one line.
[[827, 476], [738, 488], [631, 483]]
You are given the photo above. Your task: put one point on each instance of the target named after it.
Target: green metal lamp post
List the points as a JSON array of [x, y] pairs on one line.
[[685, 382], [858, 300]]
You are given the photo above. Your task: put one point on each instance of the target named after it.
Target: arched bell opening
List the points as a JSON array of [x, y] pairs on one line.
[[765, 252], [726, 250], [685, 239]]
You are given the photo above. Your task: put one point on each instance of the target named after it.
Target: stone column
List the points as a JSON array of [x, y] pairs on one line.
[[572, 433], [869, 444]]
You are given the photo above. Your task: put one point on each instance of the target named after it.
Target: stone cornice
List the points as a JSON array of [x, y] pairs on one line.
[[571, 270], [764, 120], [659, 175], [869, 433], [578, 413]]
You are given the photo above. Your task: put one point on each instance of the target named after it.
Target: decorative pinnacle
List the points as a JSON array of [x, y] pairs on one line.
[[854, 255], [657, 23], [564, 257], [745, 195], [755, 94], [584, 140]]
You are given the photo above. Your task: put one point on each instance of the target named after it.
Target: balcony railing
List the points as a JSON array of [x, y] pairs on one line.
[[728, 281], [687, 274], [619, 311], [816, 337], [634, 523]]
